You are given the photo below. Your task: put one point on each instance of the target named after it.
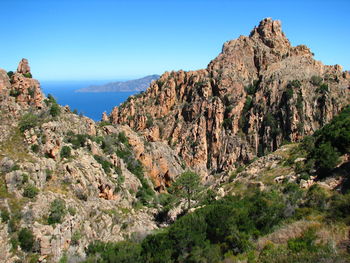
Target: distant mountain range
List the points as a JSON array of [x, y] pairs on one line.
[[122, 86]]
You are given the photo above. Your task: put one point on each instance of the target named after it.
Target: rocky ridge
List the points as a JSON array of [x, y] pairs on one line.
[[258, 93], [98, 172]]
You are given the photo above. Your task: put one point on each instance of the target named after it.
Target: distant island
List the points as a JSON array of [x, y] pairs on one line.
[[122, 86]]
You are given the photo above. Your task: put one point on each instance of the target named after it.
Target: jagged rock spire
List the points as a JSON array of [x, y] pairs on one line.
[[270, 32], [23, 66]]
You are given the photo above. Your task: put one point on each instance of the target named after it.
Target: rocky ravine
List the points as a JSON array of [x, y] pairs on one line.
[[259, 92], [48, 153]]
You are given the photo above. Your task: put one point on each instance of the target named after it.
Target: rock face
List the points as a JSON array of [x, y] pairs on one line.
[[23, 67], [259, 92], [21, 88], [99, 172]]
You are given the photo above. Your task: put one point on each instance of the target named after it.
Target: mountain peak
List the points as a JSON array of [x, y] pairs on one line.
[[23, 66], [270, 33]]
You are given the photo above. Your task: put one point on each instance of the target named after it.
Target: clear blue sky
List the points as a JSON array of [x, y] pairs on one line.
[[105, 39]]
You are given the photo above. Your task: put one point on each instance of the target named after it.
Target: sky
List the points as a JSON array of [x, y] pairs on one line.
[[105, 39]]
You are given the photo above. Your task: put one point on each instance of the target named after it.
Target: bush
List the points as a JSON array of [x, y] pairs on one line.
[[26, 239], [304, 243], [10, 74], [295, 83], [327, 157], [35, 148], [28, 121], [316, 198], [75, 238], [106, 165], [15, 93], [123, 252], [57, 211], [28, 75], [78, 140], [55, 110], [66, 152], [122, 138], [288, 94], [5, 215], [227, 124], [323, 88], [316, 80], [340, 207], [149, 122], [30, 191], [252, 88]]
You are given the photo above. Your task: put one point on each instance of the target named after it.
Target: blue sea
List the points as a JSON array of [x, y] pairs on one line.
[[91, 105]]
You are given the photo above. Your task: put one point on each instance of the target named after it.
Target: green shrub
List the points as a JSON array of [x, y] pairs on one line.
[[123, 252], [26, 239], [55, 110], [340, 207], [14, 93], [66, 152], [104, 123], [316, 80], [252, 88], [106, 165], [72, 211], [14, 243], [57, 211], [327, 157], [243, 122], [294, 84], [306, 242], [31, 92], [288, 93], [51, 99], [28, 121], [227, 124], [323, 88], [75, 238], [10, 74], [316, 198], [35, 148], [28, 75], [122, 138], [30, 191], [149, 122], [78, 140], [5, 215]]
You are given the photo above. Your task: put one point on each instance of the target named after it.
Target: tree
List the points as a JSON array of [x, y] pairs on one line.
[[187, 186]]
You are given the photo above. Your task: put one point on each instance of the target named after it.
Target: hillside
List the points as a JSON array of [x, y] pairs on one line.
[[258, 93], [245, 161], [122, 86]]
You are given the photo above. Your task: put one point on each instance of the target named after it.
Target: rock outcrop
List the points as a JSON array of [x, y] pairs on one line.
[[23, 67], [259, 92], [21, 88]]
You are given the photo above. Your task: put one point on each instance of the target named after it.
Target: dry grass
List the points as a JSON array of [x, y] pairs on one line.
[[14, 147]]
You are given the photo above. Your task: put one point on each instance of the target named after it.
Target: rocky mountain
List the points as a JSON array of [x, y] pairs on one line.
[[123, 86], [72, 189], [68, 179], [257, 94]]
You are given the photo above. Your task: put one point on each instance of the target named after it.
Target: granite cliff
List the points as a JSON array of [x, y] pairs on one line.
[[66, 181], [258, 93], [93, 180]]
